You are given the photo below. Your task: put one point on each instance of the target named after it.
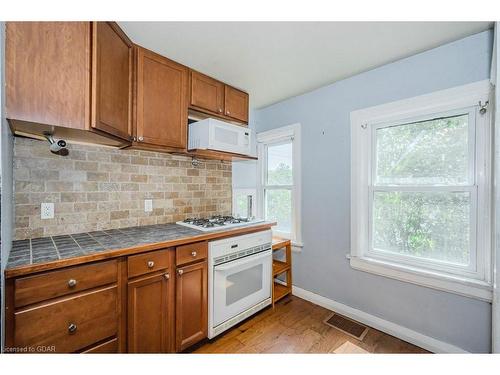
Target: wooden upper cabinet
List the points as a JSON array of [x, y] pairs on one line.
[[111, 80], [207, 93], [191, 305], [214, 97], [47, 73], [161, 101], [235, 103], [70, 78]]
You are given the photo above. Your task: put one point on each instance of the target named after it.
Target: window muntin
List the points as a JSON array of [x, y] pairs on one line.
[[422, 187]]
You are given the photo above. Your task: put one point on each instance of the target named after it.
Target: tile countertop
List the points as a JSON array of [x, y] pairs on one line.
[[38, 254]]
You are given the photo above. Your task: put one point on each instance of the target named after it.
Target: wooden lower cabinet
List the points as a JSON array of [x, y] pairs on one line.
[[191, 305], [106, 347], [70, 324], [150, 313], [137, 304]]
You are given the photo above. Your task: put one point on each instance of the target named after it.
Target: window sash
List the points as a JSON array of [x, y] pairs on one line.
[[471, 188]]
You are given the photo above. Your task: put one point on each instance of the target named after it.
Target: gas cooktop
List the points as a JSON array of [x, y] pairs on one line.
[[217, 222]]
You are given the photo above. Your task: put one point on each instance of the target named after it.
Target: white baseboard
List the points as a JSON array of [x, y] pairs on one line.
[[403, 333]]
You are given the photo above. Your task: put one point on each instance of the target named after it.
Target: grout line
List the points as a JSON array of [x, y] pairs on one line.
[[31, 252], [57, 251], [96, 240]]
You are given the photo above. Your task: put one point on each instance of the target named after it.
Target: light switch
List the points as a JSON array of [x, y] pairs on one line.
[[148, 205], [47, 211]]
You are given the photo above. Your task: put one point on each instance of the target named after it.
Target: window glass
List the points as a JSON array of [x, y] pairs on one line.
[[433, 152], [428, 225], [279, 164], [278, 207]]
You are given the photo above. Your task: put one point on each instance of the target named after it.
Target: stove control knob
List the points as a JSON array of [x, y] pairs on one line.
[[193, 254]]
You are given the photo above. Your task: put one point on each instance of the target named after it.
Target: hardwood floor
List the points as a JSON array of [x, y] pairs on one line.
[[296, 326]]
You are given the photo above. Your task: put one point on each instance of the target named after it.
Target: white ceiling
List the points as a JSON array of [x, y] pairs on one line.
[[277, 60]]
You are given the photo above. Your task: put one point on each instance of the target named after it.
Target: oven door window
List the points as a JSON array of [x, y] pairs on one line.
[[240, 285]]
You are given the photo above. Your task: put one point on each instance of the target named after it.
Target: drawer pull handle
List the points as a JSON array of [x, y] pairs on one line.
[[194, 254], [167, 276], [180, 272], [151, 264], [71, 283], [72, 328]]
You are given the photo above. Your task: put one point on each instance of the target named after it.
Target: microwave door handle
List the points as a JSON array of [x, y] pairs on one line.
[[252, 258]]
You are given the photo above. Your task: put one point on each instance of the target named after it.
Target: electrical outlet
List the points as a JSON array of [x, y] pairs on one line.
[[148, 205], [47, 211]]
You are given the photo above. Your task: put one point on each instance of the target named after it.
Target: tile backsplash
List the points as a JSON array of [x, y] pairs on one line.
[[98, 188]]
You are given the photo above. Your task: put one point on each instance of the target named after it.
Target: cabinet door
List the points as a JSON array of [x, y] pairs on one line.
[[150, 314], [236, 104], [47, 73], [191, 305], [111, 80], [161, 100], [207, 93]]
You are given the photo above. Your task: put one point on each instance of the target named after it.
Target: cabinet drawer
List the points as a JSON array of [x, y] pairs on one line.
[[110, 346], [149, 262], [53, 284], [69, 324], [190, 253]]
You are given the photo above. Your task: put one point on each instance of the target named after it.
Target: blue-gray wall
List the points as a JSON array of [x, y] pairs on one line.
[[6, 181], [322, 267]]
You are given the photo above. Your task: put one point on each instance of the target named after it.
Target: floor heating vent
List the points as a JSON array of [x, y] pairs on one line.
[[346, 325]]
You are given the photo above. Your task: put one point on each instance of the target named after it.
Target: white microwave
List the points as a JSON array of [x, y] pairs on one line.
[[212, 134]]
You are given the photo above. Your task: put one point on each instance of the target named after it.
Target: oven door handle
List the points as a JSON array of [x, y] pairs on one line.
[[251, 258]]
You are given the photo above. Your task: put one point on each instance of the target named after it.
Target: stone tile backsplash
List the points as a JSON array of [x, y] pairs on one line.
[[98, 188]]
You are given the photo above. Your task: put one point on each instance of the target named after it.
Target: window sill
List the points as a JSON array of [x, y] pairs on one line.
[[454, 284], [297, 246]]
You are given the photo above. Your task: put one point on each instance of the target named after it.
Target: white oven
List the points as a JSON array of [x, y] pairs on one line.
[[212, 134], [240, 276]]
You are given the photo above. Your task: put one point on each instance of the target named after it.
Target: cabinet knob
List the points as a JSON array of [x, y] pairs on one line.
[[180, 272], [71, 283], [227, 113], [151, 264], [72, 328], [141, 139], [134, 138], [193, 254], [167, 276], [220, 110]]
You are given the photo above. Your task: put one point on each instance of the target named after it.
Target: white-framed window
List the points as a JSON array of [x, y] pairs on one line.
[[421, 190], [279, 185]]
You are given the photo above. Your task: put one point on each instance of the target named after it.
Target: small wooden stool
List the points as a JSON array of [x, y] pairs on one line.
[[279, 267]]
